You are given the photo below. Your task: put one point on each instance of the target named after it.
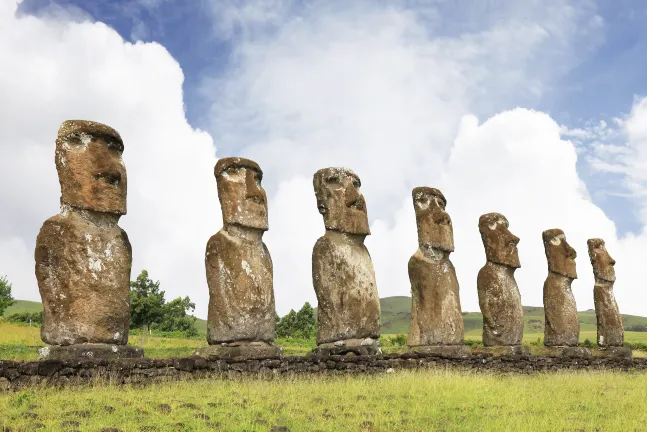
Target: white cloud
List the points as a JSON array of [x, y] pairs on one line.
[[381, 90], [55, 69]]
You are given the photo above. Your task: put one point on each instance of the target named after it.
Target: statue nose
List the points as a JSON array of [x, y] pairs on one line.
[[253, 191]]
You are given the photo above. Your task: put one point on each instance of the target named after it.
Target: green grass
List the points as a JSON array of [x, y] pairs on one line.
[[402, 401]]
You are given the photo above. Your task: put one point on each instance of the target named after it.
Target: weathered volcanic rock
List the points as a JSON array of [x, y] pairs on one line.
[[562, 324], [342, 271], [436, 317], [238, 264], [610, 326], [83, 259], [499, 296]]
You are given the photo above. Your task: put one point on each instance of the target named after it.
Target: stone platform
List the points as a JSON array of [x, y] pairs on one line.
[[247, 350], [367, 346], [503, 350], [450, 350], [619, 352], [566, 351], [89, 351]]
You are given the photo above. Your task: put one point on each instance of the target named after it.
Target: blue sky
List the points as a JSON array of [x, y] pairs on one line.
[[533, 108], [609, 71]]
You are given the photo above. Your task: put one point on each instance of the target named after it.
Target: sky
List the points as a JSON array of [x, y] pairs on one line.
[[533, 109]]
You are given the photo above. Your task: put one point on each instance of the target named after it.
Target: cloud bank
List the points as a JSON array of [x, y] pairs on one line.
[[392, 92]]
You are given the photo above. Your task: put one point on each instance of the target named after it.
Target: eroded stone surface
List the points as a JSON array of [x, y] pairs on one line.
[[90, 351], [367, 346], [436, 317], [448, 350], [562, 327], [238, 264], [83, 258], [342, 271], [247, 350], [499, 297], [610, 325]]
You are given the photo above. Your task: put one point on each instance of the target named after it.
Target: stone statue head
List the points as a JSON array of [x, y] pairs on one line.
[[242, 198], [560, 255], [601, 260], [434, 224], [340, 201], [500, 244], [90, 169]]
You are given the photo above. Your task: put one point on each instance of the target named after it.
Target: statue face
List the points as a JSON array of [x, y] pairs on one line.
[[601, 260], [90, 168], [340, 202], [500, 244], [434, 224], [561, 256], [242, 198]]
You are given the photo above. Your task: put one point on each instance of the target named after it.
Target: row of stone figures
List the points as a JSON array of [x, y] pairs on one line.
[[83, 264]]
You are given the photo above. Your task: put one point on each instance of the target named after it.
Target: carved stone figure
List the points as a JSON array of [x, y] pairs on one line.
[[562, 327], [436, 318], [610, 326], [499, 296], [342, 272], [239, 267], [83, 258]]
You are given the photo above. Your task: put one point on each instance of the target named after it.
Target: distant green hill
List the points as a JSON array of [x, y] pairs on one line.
[[31, 306], [20, 306], [396, 316]]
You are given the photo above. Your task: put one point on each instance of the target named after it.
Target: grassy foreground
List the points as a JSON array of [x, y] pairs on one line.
[[404, 400]]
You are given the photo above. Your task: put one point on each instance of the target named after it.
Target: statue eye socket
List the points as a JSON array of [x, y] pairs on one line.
[[114, 145], [333, 179], [357, 183]]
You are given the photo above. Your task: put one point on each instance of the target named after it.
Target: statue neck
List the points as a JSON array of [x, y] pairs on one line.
[[244, 233], [433, 253], [101, 219], [344, 237]]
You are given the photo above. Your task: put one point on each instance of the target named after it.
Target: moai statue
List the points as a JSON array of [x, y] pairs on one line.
[[610, 326], [562, 326], [499, 296], [239, 268], [436, 318], [342, 272], [83, 258]]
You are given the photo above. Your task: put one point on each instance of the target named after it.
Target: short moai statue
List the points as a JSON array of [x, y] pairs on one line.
[[610, 326], [241, 316], [83, 258], [562, 326], [499, 296], [436, 317], [342, 272]]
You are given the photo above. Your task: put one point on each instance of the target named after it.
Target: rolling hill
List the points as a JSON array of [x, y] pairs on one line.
[[396, 315], [32, 306]]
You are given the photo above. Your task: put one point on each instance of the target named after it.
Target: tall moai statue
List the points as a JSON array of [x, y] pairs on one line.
[[83, 258], [610, 326], [241, 316], [342, 272], [436, 318], [562, 326], [499, 296]]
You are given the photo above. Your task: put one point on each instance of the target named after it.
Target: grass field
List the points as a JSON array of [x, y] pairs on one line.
[[403, 401]]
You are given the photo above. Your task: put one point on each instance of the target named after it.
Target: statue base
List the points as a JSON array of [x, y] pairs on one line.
[[245, 349], [566, 351], [499, 350], [447, 350], [614, 351], [367, 346], [89, 351]]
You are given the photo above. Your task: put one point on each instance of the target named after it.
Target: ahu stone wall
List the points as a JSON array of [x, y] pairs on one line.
[[16, 375]]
